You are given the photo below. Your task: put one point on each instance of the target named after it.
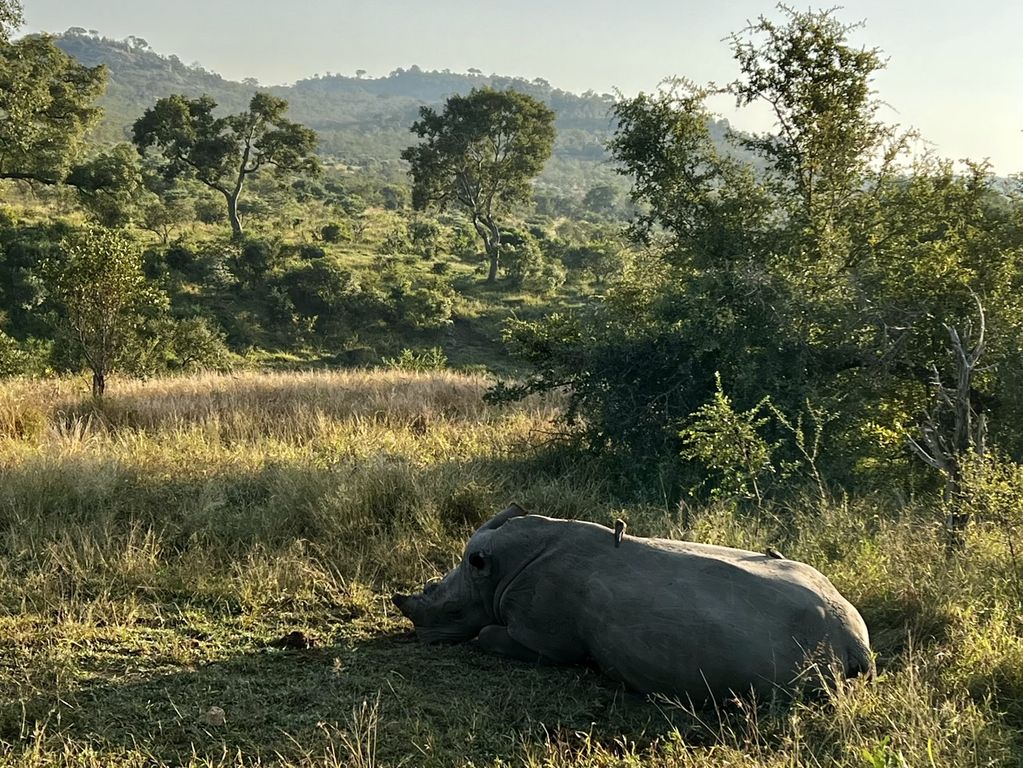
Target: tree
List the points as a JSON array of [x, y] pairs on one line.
[[110, 185], [827, 143], [952, 430], [480, 154], [603, 198], [98, 281], [826, 272], [222, 152], [10, 18], [162, 213], [46, 104], [603, 258]]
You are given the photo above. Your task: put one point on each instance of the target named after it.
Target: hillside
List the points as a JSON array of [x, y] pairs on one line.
[[362, 122]]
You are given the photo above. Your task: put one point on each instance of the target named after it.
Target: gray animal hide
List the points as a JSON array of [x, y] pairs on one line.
[[689, 620]]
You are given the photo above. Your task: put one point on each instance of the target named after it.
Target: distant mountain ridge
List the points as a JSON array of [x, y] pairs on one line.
[[360, 121]]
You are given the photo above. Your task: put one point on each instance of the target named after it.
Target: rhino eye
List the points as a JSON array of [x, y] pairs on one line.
[[476, 560]]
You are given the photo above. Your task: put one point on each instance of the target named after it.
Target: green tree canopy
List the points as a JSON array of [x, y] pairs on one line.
[[480, 154], [99, 282], [10, 18], [47, 104], [826, 273], [110, 185], [222, 152]]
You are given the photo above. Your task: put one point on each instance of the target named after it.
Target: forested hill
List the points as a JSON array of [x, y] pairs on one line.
[[361, 121]]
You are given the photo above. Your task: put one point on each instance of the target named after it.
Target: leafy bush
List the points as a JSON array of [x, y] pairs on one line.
[[432, 359], [309, 251], [464, 243], [210, 210], [196, 343], [603, 258], [13, 360], [729, 444], [396, 241], [425, 306], [521, 256], [23, 292], [255, 259], [417, 300], [336, 232], [427, 237], [549, 279], [180, 258], [327, 292], [7, 217]]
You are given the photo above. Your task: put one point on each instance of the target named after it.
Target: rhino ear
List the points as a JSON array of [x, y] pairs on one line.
[[513, 510]]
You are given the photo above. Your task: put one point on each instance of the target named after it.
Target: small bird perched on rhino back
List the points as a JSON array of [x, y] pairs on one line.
[[619, 532], [772, 552]]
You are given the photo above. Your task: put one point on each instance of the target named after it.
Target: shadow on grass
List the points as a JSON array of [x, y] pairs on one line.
[[432, 706]]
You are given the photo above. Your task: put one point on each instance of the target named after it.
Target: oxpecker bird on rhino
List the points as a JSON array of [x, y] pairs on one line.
[[690, 620]]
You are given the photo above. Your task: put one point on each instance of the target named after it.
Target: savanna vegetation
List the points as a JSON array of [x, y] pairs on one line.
[[160, 551], [315, 370]]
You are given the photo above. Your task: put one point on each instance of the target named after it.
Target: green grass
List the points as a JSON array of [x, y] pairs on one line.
[[152, 551]]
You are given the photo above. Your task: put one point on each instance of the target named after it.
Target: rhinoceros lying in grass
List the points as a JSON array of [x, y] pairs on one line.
[[690, 620]]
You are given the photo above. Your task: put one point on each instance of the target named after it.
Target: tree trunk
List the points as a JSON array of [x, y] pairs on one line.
[[495, 256], [99, 384], [950, 449], [492, 240], [232, 214]]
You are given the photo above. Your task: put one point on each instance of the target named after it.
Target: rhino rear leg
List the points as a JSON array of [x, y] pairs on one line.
[[495, 639]]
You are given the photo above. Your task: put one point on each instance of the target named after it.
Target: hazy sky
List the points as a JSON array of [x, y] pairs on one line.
[[955, 69]]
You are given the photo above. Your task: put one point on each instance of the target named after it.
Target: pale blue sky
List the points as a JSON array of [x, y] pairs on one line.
[[955, 70]]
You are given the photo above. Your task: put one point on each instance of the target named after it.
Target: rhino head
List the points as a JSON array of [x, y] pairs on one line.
[[455, 608]]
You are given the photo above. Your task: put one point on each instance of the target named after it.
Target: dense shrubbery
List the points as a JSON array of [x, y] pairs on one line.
[[828, 278], [152, 339], [13, 360]]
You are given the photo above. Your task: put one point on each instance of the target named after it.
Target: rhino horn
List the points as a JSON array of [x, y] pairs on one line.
[[513, 510], [407, 604]]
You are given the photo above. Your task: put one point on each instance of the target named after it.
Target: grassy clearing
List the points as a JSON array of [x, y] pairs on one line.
[[152, 552]]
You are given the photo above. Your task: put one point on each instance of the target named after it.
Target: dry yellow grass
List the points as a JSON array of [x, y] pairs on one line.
[[293, 406]]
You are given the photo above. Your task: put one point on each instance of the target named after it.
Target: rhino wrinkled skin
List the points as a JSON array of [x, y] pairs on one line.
[[689, 620]]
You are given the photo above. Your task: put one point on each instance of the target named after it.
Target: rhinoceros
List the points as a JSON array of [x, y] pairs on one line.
[[695, 621]]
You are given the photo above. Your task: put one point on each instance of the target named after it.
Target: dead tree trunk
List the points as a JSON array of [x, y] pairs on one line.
[[951, 431]]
